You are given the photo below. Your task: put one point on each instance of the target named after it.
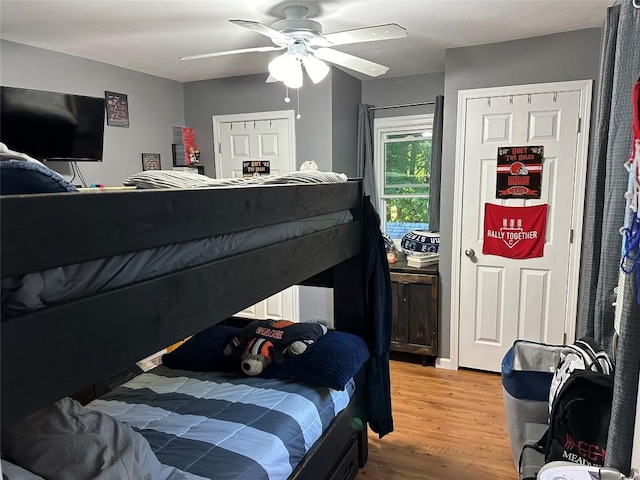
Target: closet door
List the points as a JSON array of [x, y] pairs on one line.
[[503, 299]]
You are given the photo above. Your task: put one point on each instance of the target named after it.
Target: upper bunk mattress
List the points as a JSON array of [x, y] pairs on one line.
[[225, 427], [36, 290]]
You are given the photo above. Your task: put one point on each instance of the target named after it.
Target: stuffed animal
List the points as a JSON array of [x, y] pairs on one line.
[[265, 341]]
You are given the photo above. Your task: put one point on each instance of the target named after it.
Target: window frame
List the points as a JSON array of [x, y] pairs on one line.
[[383, 127]]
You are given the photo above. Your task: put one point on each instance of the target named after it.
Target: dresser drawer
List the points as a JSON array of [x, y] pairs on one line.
[[348, 467]]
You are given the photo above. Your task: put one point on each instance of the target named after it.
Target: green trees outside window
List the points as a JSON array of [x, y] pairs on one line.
[[407, 160]]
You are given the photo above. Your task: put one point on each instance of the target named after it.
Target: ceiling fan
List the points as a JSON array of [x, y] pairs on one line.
[[307, 46]]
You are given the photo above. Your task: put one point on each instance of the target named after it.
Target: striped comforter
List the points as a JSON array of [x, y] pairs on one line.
[[222, 427], [151, 179]]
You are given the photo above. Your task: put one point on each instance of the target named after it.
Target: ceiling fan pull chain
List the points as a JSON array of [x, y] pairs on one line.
[[298, 116], [286, 94]]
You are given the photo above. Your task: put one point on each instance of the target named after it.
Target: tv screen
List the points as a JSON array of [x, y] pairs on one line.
[[52, 126]]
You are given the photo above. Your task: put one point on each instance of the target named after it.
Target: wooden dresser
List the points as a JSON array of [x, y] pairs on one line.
[[415, 309]]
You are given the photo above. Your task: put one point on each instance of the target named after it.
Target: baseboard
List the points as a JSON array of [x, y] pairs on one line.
[[444, 363]]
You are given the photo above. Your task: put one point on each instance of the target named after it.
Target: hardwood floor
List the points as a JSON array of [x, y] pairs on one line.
[[447, 426]]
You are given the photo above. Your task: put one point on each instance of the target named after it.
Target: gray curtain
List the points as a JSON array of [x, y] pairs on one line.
[[608, 180], [604, 215], [364, 151], [436, 165]]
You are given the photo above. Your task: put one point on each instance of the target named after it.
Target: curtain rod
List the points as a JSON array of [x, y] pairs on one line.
[[402, 105]]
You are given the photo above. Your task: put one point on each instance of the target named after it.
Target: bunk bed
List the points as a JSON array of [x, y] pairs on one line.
[[52, 352]]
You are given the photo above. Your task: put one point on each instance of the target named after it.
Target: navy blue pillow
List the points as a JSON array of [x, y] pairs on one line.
[[330, 362], [203, 351], [19, 177]]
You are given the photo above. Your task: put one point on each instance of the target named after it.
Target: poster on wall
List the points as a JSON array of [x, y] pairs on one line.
[[185, 152], [117, 109], [255, 168], [519, 172], [514, 232]]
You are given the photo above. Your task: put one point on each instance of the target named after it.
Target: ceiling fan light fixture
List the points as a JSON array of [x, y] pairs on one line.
[[316, 68], [286, 68]]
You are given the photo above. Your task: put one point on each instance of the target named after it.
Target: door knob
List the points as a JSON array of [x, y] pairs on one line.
[[470, 252]]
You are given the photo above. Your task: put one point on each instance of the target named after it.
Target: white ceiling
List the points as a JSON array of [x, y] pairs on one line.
[[149, 36]]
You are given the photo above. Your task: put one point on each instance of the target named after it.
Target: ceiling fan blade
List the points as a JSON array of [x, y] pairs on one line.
[[278, 37], [388, 31], [349, 61], [231, 52], [319, 41], [272, 79]]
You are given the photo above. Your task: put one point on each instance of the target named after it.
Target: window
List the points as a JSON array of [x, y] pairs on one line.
[[403, 166]]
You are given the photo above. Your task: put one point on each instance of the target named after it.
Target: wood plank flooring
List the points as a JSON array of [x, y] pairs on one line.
[[447, 426]]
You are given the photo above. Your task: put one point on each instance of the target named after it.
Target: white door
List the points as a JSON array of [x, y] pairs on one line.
[[262, 139], [502, 299], [258, 136]]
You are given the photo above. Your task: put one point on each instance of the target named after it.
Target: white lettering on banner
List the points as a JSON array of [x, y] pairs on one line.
[[572, 457], [514, 232], [512, 236]]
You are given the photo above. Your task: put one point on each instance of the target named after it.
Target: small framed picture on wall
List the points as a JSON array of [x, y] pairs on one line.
[[151, 161]]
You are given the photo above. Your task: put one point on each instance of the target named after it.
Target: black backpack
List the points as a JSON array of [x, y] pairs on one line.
[[580, 406]]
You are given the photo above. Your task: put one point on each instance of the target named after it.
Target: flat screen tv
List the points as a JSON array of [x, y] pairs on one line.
[[52, 126]]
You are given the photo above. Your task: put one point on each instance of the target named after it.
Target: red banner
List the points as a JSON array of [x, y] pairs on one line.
[[514, 232]]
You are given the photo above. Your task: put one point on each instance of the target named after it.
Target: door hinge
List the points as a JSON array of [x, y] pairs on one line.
[[219, 147], [571, 236], [579, 125]]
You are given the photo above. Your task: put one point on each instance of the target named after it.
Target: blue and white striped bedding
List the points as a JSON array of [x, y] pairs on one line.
[[225, 427]]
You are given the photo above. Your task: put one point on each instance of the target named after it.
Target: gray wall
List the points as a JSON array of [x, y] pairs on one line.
[[401, 90], [326, 133], [345, 98], [155, 106], [249, 94], [551, 58]]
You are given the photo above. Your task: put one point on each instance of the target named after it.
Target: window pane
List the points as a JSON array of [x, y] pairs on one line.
[[408, 164], [406, 214], [406, 135]]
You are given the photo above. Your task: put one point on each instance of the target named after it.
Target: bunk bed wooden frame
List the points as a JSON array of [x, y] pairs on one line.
[[58, 350]]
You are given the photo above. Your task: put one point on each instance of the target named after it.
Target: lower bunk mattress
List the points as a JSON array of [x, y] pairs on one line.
[[221, 426]]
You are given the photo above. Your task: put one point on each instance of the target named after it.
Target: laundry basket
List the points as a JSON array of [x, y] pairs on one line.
[[527, 370]]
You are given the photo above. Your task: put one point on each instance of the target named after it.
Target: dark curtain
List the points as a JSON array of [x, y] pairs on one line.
[[365, 150], [436, 165], [604, 216]]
